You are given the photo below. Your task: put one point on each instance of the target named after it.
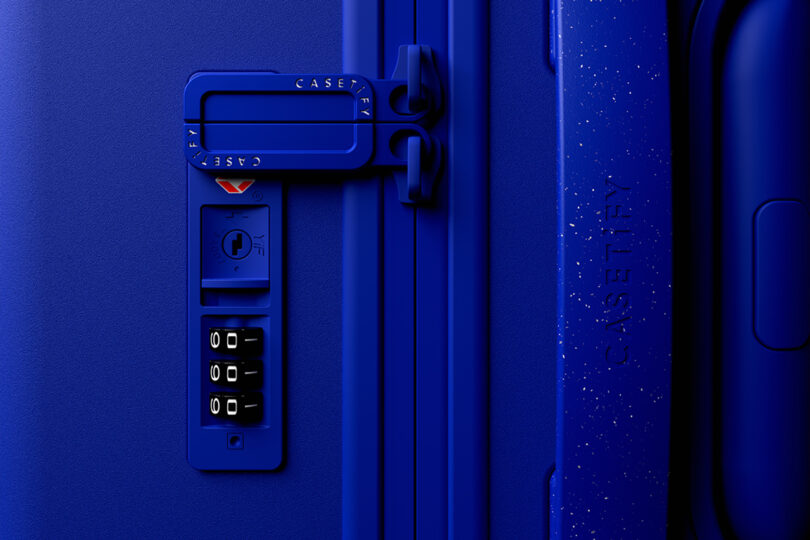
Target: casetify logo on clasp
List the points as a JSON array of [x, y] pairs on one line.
[[196, 153]]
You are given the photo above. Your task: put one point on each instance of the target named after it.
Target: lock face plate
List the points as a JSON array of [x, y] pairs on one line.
[[235, 299]]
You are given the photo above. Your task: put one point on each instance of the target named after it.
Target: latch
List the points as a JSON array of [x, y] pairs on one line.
[[237, 121]]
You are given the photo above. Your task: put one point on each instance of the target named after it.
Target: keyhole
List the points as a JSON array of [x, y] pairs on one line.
[[237, 244]]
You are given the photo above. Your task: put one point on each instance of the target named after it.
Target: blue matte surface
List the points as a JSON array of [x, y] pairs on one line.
[[362, 304], [523, 269], [94, 278], [468, 272], [431, 284], [399, 319]]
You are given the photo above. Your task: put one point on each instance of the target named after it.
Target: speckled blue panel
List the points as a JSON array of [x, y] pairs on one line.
[[615, 261]]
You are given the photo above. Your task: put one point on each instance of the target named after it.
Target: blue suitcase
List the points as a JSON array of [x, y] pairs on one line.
[[378, 268]]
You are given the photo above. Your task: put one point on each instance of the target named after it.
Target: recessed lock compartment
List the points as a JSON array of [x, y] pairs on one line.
[[235, 248], [235, 304]]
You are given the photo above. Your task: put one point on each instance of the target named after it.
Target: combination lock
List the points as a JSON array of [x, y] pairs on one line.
[[236, 373], [238, 407], [237, 341]]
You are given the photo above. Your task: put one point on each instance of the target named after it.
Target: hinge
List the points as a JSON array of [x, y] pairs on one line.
[[237, 121]]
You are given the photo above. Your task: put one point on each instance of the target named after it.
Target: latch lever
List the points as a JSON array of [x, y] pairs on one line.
[[342, 122]]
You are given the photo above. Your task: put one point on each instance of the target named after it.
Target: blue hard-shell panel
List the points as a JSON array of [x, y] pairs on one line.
[[93, 260]]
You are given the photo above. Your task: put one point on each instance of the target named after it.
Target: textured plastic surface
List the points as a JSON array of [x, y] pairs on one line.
[[522, 304], [93, 259], [615, 297]]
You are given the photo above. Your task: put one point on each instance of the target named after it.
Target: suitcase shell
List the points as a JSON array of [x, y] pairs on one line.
[[430, 355]]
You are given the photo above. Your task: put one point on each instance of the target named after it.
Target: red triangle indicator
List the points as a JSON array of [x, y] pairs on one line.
[[235, 186]]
